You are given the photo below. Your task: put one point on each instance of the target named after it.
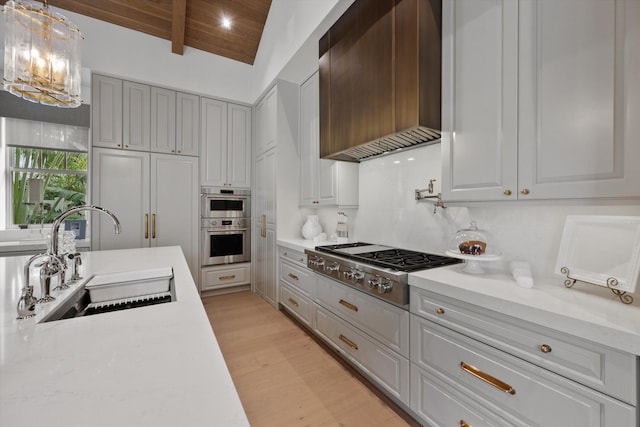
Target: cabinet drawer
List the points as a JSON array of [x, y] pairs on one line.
[[510, 385], [222, 277], [385, 367], [295, 257], [298, 277], [296, 303], [586, 362], [438, 403], [381, 320]]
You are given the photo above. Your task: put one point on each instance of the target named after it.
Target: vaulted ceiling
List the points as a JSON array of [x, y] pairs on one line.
[[194, 23]]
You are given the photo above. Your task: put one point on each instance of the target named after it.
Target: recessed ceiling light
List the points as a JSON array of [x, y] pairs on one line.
[[226, 23]]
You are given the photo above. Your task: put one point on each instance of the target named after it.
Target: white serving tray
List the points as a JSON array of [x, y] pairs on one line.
[[595, 248], [128, 284]]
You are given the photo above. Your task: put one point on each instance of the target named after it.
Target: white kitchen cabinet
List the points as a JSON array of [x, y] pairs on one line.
[[136, 116], [297, 285], [501, 370], [187, 124], [383, 321], [322, 182], [226, 144], [266, 115], [275, 183], [163, 120], [264, 253], [139, 117], [225, 276], [106, 111], [155, 197], [385, 367], [536, 99]]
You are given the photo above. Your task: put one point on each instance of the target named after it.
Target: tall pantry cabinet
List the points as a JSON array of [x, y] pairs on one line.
[[154, 195], [539, 99], [275, 189]]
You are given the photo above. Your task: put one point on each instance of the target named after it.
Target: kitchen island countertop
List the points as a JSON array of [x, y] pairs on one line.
[[158, 365], [587, 311]]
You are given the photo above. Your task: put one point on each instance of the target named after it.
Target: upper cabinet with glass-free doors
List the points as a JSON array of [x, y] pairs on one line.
[[539, 99], [140, 117]]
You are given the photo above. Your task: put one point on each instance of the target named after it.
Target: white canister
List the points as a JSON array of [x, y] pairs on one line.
[[311, 228]]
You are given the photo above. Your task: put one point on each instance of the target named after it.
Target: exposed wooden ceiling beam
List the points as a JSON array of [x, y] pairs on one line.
[[178, 21]]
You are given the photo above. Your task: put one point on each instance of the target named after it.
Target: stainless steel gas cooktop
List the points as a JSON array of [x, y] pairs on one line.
[[378, 270]]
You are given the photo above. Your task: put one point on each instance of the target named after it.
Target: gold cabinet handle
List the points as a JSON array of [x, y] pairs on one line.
[[230, 277], [153, 226], [294, 302], [146, 226], [440, 310], [293, 276], [349, 305], [463, 423], [348, 342], [524, 191], [545, 348], [487, 378], [263, 225], [507, 192]]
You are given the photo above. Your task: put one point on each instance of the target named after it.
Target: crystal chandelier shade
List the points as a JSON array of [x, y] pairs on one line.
[[41, 55]]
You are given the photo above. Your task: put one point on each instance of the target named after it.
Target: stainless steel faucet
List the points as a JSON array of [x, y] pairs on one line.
[[54, 264], [56, 224]]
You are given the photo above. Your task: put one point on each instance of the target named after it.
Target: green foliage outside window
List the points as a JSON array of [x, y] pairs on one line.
[[64, 175]]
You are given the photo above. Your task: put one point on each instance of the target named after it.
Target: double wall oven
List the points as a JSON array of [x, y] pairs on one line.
[[225, 226]]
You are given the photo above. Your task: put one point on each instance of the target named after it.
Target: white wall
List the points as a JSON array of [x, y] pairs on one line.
[[388, 213]]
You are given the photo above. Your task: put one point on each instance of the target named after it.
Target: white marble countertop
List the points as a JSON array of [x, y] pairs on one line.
[[587, 311], [302, 244], [158, 365]]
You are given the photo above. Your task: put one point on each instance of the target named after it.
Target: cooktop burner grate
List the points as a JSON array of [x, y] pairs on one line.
[[395, 259]]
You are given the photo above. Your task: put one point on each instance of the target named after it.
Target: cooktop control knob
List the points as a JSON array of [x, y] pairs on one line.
[[385, 286], [358, 275], [375, 282], [316, 261], [335, 266], [349, 274]]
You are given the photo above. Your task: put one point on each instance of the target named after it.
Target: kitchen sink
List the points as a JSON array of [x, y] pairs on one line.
[[117, 291]]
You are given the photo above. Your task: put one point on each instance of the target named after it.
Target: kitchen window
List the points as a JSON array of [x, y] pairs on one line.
[[45, 170]]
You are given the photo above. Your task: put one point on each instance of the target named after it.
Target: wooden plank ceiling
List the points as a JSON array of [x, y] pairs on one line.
[[194, 23]]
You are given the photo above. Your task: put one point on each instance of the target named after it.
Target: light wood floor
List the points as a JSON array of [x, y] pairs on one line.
[[284, 376]]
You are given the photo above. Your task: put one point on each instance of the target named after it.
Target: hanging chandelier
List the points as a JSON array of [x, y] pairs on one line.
[[41, 55]]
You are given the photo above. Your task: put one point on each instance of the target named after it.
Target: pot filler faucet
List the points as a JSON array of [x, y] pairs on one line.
[[54, 263]]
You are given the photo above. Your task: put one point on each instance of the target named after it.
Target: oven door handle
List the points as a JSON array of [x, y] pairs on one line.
[[217, 230]]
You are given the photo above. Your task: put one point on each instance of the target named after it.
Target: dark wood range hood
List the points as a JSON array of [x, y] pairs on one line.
[[380, 79]]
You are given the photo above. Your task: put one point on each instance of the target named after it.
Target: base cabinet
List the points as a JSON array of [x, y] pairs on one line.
[[225, 276], [466, 368]]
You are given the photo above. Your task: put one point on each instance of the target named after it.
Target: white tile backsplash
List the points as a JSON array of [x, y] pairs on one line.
[[389, 213]]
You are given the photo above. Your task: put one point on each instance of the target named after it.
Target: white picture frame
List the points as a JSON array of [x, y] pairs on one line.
[[596, 248]]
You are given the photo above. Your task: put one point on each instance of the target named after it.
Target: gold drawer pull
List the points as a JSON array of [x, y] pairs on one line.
[[348, 305], [146, 226], [524, 191], [293, 276], [545, 348], [463, 423], [294, 302], [348, 342], [507, 192], [440, 310], [232, 276], [487, 378]]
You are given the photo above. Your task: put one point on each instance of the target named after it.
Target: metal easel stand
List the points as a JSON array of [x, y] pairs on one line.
[[438, 203], [612, 282]]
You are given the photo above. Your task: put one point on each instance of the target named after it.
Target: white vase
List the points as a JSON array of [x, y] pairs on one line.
[[311, 228]]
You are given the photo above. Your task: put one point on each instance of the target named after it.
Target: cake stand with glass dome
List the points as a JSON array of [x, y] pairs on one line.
[[475, 247]]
